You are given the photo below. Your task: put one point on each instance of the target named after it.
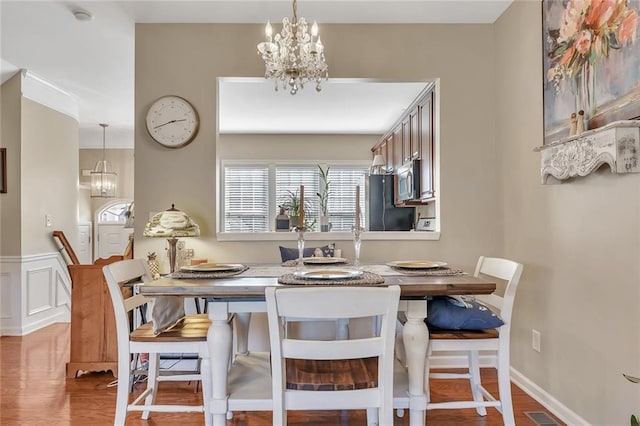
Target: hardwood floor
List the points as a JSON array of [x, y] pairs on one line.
[[35, 391]]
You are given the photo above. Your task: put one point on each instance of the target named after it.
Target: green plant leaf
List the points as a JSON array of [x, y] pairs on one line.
[[631, 378], [634, 421]]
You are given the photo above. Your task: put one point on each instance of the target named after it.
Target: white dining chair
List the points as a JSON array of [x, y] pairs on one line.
[[189, 335], [493, 341], [306, 373]]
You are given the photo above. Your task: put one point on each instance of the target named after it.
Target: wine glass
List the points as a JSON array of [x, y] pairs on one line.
[[300, 231], [356, 245]]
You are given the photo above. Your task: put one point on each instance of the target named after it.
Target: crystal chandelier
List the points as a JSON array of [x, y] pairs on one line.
[[103, 182], [294, 56]]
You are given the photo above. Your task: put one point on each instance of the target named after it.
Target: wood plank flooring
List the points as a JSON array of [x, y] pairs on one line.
[[35, 391]]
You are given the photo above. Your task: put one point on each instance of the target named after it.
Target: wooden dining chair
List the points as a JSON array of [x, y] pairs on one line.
[[332, 374], [493, 341], [189, 335]]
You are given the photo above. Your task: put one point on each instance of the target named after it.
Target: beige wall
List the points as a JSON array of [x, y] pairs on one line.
[[470, 198], [579, 241], [49, 146], [10, 218], [42, 167], [297, 147]]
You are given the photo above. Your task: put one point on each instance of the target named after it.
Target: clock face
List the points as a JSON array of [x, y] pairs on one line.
[[172, 121]]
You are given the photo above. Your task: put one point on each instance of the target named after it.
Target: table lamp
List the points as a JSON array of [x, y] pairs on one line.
[[171, 224]]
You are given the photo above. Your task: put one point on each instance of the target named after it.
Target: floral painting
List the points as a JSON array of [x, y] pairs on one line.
[[591, 63]]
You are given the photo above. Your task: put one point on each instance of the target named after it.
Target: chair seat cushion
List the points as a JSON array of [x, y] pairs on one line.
[[439, 334], [454, 314], [190, 328], [332, 375]]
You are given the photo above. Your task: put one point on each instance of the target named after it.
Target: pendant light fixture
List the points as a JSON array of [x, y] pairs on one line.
[[295, 55], [103, 182]]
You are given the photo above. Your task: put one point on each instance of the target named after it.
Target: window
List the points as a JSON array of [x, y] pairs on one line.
[[253, 195], [114, 213]]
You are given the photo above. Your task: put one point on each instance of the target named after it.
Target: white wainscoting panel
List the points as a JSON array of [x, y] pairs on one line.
[[39, 290], [8, 301], [34, 292]]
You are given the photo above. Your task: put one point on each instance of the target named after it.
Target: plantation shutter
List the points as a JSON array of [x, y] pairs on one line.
[[246, 198], [342, 197]]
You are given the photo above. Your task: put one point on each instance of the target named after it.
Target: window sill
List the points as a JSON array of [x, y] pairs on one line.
[[329, 236]]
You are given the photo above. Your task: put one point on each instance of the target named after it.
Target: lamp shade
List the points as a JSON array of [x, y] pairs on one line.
[[378, 160], [171, 223], [377, 164]]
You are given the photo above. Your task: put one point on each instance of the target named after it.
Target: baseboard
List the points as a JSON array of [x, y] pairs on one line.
[[546, 399], [529, 387], [37, 325]]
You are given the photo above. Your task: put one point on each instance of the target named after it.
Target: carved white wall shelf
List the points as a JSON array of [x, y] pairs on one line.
[[616, 144]]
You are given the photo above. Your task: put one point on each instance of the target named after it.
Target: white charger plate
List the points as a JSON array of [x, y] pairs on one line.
[[328, 274], [213, 267], [417, 264]]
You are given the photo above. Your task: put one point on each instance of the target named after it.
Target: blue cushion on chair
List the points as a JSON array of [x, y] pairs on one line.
[[292, 253], [452, 314]]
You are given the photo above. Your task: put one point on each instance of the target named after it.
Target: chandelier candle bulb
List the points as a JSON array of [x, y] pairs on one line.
[[357, 207], [268, 31]]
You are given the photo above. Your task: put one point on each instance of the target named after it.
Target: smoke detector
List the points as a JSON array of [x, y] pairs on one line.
[[82, 15]]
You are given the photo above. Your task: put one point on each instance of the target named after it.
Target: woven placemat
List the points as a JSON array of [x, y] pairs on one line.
[[185, 275], [429, 271], [367, 278]]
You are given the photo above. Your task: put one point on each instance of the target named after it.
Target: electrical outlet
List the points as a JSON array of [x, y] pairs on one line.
[[190, 253], [535, 340], [48, 220]]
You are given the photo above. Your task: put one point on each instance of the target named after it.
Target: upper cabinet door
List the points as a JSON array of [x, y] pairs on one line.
[[398, 158], [425, 120], [414, 126], [406, 141]]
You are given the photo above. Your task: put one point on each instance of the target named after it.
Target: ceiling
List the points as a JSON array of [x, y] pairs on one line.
[[93, 61]]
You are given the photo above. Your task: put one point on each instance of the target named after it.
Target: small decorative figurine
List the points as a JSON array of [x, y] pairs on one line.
[[573, 124]]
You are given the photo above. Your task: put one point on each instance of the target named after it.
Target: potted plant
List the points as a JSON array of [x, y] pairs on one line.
[[634, 420], [323, 197], [291, 204]]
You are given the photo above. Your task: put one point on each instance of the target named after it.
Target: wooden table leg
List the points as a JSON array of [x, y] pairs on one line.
[[220, 339], [416, 339]]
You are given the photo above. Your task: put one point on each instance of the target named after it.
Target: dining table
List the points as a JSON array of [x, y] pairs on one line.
[[241, 294]]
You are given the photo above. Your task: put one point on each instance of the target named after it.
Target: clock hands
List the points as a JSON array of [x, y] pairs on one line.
[[169, 122]]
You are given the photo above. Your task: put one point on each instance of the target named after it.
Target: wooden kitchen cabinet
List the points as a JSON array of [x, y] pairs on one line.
[[425, 120], [411, 138], [94, 344], [398, 159]]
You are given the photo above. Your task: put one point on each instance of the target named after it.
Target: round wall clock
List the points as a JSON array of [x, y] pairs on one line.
[[172, 121]]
